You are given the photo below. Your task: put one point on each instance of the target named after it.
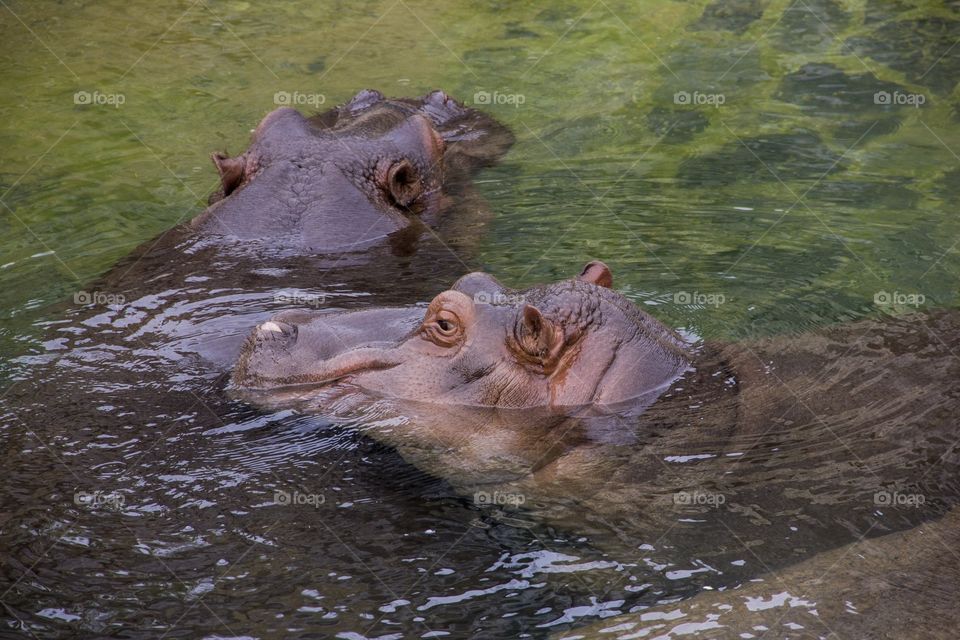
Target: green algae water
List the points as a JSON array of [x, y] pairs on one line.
[[746, 168]]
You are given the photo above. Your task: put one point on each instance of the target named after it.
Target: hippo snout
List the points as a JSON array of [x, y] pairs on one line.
[[308, 347]]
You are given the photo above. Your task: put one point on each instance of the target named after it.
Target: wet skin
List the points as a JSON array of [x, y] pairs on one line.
[[599, 417]]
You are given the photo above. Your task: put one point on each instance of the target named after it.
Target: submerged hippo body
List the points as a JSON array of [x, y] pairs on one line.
[[893, 587], [713, 462]]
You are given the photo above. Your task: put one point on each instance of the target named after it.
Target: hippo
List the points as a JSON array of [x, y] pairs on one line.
[[356, 175], [455, 352], [315, 212], [717, 462]]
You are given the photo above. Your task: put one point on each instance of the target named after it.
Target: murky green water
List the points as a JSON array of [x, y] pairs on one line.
[[779, 163]]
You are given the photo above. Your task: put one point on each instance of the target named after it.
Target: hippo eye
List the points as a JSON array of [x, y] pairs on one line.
[[403, 184], [443, 329]]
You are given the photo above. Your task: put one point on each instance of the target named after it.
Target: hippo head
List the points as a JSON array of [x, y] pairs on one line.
[[572, 343], [352, 176]]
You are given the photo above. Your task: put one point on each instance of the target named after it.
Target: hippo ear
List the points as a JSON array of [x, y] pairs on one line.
[[538, 337], [474, 139], [231, 171], [597, 273], [365, 99], [403, 183]]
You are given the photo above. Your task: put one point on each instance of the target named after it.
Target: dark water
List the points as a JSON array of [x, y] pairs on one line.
[[747, 169]]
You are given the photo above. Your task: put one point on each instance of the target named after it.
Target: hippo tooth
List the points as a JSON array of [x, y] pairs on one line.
[[272, 326]]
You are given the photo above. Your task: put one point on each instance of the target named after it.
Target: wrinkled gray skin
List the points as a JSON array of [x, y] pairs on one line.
[[351, 177], [571, 343], [797, 434]]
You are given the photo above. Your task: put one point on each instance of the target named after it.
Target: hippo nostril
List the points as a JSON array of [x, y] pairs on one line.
[[275, 328]]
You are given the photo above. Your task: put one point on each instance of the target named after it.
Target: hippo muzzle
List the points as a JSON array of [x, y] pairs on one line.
[[300, 348]]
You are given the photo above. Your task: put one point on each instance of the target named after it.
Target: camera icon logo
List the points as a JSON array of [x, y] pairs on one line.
[[282, 98], [482, 97], [681, 97], [882, 97]]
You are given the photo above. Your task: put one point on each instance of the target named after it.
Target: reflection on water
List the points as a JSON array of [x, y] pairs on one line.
[[747, 169]]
